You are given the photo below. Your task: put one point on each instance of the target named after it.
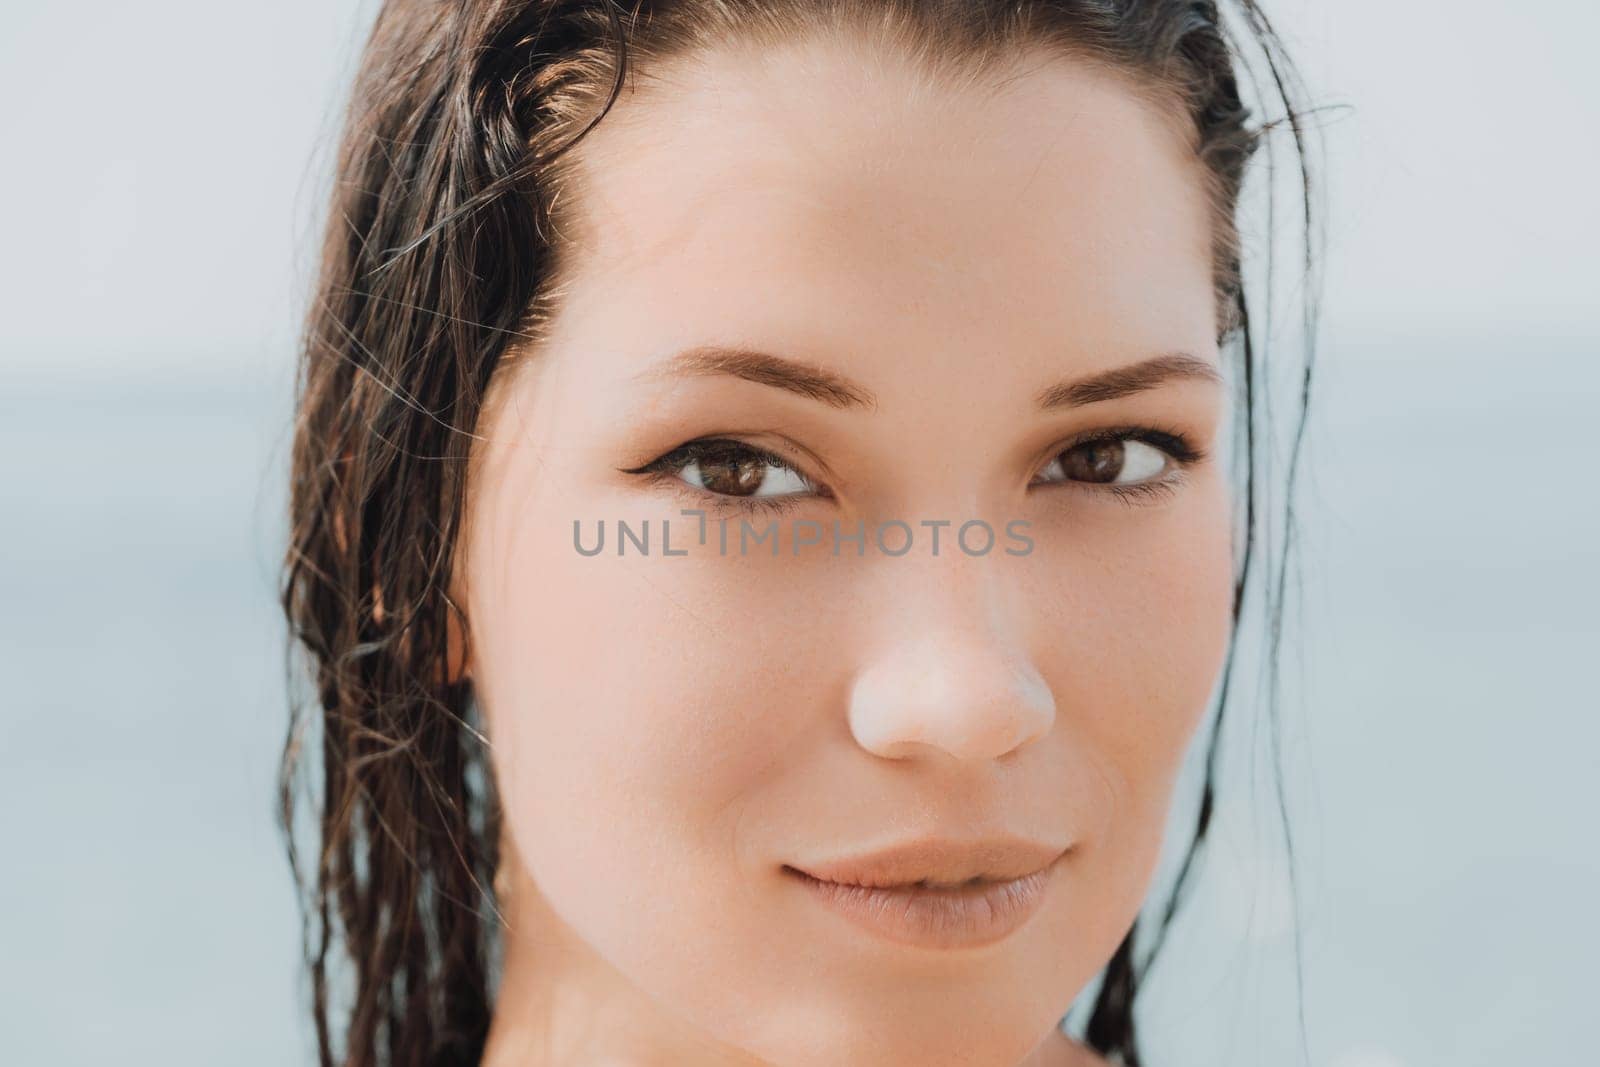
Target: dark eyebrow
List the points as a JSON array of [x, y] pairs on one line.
[[819, 383], [1124, 381], [813, 382]]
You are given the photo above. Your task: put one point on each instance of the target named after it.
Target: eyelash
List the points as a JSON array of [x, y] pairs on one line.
[[1174, 442], [664, 468]]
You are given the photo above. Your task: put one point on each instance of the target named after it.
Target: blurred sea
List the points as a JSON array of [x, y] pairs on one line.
[[1443, 750]]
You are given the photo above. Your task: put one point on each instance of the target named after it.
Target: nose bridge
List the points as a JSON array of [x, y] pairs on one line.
[[949, 665]]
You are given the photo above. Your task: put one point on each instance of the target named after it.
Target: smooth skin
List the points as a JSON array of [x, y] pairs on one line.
[[668, 732]]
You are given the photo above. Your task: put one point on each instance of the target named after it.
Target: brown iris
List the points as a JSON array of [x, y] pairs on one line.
[[1093, 461], [734, 472]]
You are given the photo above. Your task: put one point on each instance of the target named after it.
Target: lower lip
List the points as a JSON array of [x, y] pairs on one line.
[[958, 917]]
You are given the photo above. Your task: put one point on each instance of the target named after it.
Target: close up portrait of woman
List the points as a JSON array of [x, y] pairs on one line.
[[799, 533], [773, 488]]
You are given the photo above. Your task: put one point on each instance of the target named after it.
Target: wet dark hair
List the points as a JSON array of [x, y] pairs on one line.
[[441, 265]]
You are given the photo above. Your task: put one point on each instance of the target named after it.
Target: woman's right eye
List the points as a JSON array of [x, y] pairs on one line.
[[728, 468]]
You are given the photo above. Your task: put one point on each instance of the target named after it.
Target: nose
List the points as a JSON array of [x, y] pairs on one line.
[[948, 670]]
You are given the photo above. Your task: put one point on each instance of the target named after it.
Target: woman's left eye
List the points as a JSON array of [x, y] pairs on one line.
[[1132, 463], [1107, 462]]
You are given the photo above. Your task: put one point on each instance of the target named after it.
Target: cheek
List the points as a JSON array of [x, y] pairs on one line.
[[1141, 621], [638, 696], [635, 704], [1164, 630]]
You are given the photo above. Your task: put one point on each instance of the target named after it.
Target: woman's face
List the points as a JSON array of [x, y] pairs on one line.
[[671, 731]]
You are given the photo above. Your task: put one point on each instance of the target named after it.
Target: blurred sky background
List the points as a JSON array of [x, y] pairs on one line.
[[163, 178]]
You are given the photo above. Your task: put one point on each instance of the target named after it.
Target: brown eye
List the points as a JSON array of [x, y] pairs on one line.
[[741, 471], [1107, 462]]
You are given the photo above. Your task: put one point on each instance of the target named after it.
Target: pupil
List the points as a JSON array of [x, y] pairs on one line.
[[1097, 461], [732, 473]]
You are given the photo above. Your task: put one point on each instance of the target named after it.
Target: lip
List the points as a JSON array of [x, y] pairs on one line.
[[880, 893], [938, 859]]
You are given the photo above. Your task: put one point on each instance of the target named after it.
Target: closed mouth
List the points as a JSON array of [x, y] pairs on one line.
[[935, 864], [924, 883]]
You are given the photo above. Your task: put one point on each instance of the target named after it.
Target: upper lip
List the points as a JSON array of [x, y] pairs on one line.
[[938, 860]]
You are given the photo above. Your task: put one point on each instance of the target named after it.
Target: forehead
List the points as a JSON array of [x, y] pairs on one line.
[[821, 187]]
